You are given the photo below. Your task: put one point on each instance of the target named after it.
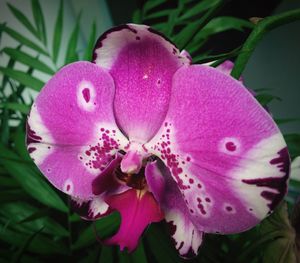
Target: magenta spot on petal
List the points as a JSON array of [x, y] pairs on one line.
[[191, 181], [138, 38], [102, 129], [192, 211], [207, 200], [199, 185], [228, 208], [68, 188], [188, 159], [230, 146], [31, 149], [88, 153], [86, 94], [166, 124]]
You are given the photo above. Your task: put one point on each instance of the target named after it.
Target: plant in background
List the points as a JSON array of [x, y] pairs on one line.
[[37, 221]]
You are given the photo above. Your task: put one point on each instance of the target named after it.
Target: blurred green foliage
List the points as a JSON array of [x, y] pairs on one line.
[[36, 223]]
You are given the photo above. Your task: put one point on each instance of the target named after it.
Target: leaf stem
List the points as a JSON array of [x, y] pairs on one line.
[[263, 26]]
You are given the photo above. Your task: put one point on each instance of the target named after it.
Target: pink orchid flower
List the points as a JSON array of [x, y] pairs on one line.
[[143, 132]]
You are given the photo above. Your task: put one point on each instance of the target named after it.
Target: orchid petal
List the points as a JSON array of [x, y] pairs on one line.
[[106, 181], [91, 209], [225, 152], [185, 235], [142, 63], [138, 209], [72, 135]]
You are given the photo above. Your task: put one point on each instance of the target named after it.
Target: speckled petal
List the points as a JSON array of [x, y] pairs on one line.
[[142, 63], [71, 131], [186, 237], [225, 152]]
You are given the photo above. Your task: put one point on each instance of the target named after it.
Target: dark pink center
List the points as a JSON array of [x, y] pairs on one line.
[[86, 94], [230, 146]]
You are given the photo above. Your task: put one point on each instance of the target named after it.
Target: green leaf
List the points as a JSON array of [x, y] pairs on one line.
[[4, 128], [159, 14], [8, 182], [293, 143], [39, 20], [262, 27], [58, 32], [105, 226], [172, 19], [265, 98], [23, 40], [71, 54], [40, 244], [123, 257], [221, 24], [23, 108], [23, 19], [139, 255], [92, 256], [10, 64], [137, 17], [92, 39], [288, 120], [12, 195], [19, 139], [187, 34], [161, 247], [279, 250], [17, 256], [28, 60], [19, 212], [30, 180], [107, 254], [149, 5], [23, 78], [198, 8]]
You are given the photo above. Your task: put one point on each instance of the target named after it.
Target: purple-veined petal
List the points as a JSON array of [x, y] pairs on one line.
[[225, 152], [142, 63], [71, 131], [138, 209], [185, 235]]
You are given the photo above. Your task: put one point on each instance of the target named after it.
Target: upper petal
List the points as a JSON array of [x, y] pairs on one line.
[[72, 134], [225, 152], [142, 63]]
